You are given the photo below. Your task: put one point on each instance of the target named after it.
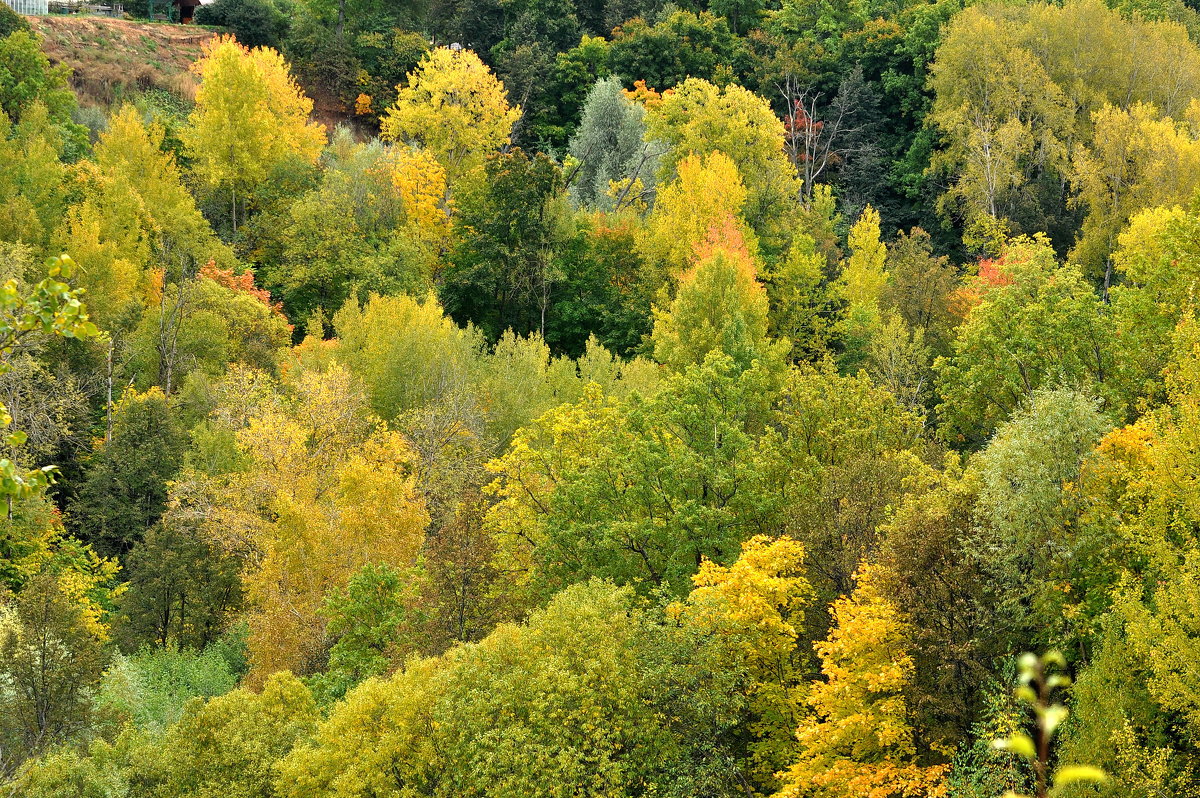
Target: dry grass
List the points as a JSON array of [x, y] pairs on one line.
[[113, 58]]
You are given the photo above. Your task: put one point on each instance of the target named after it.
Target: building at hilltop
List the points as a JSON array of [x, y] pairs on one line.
[[30, 7]]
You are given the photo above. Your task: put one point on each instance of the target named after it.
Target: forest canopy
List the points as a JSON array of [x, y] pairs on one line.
[[765, 398]]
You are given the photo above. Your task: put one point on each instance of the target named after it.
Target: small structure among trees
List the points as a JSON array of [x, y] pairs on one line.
[[186, 9]]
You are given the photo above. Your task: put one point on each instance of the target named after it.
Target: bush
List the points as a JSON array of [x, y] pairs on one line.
[[150, 688], [92, 118], [11, 21]]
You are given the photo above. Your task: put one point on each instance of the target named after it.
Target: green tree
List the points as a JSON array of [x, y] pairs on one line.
[[720, 307], [125, 491], [229, 745], [565, 89], [504, 269], [183, 591], [1036, 324], [51, 659], [1029, 548], [801, 309], [921, 287], [376, 223], [980, 769], [837, 453], [638, 491], [610, 147], [409, 353], [33, 187], [1117, 725], [608, 291], [150, 689], [374, 624], [204, 323], [555, 703], [27, 78], [11, 22], [928, 565], [663, 53], [324, 255], [255, 23]]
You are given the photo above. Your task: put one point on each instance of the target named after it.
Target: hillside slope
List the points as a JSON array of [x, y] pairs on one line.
[[113, 57]]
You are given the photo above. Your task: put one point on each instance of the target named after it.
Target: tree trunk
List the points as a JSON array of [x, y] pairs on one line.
[[108, 419]]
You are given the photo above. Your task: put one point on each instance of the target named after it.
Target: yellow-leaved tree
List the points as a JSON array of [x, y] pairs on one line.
[[697, 116], [320, 488], [860, 741], [250, 116], [134, 213], [1138, 159], [861, 285], [707, 192], [755, 608], [420, 183], [132, 159], [453, 107]]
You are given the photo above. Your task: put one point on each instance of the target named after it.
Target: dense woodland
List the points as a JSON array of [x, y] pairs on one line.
[[760, 398]]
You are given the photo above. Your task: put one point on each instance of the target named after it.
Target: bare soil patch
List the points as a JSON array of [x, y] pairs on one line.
[[114, 58]]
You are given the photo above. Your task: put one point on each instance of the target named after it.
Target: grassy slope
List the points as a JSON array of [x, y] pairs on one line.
[[113, 58]]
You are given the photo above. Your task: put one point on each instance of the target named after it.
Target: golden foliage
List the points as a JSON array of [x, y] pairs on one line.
[[756, 606], [454, 108], [325, 489], [860, 743], [250, 114], [707, 194]]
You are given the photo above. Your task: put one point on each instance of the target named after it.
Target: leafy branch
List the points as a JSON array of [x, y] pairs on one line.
[[1036, 688]]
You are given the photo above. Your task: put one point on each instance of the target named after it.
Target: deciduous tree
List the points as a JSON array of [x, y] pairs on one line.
[[453, 107], [697, 117], [50, 659], [861, 740], [1036, 324], [719, 306], [250, 115]]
